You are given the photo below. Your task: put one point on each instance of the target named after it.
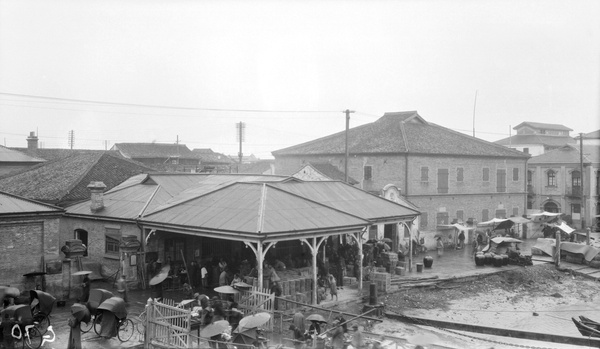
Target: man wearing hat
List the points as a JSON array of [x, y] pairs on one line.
[[358, 340]]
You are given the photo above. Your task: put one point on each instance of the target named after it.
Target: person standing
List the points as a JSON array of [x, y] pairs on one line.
[[461, 240], [85, 288], [440, 247], [337, 336], [204, 276], [333, 287], [122, 288]]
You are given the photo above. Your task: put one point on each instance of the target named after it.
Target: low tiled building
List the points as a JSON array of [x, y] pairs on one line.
[[162, 157], [536, 138]]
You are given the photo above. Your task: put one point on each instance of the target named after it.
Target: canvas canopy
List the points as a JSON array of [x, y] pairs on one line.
[[497, 223]]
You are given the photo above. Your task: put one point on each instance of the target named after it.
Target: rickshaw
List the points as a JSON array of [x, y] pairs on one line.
[[97, 296], [23, 326], [41, 307], [114, 320]]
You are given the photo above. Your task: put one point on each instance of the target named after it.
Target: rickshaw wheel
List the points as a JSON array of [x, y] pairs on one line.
[[35, 338], [86, 327], [98, 323], [125, 330], [43, 321]]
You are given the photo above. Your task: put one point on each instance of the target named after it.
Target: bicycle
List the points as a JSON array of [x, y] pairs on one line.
[[30, 336], [140, 321]]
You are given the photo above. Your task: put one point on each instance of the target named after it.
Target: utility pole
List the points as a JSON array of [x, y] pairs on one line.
[[347, 111], [71, 139], [241, 132], [582, 210], [474, 105]]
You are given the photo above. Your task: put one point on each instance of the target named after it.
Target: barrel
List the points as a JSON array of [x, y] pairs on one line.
[[427, 261], [498, 261], [419, 267], [479, 260], [489, 259]]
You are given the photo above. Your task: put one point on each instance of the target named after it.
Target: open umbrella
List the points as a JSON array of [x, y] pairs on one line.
[[6, 291], [83, 272], [253, 321], [161, 276], [246, 337], [214, 329], [316, 318], [226, 290], [242, 285], [81, 312]]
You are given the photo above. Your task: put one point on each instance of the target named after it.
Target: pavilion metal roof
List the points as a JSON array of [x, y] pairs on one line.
[[244, 206]]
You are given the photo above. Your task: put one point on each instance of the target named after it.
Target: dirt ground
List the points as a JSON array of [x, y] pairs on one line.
[[535, 298]]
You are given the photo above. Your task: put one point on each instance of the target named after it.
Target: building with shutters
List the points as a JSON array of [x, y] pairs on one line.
[[446, 174]]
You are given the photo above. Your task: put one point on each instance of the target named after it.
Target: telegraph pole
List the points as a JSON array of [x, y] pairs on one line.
[[582, 186], [71, 139], [347, 111], [241, 128]]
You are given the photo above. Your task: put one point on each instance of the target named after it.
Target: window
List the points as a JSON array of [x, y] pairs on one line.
[[515, 211], [486, 174], [485, 215], [529, 177], [112, 245], [576, 179], [423, 220], [501, 181], [459, 174], [82, 235], [442, 218], [172, 248], [515, 174], [526, 150], [442, 180], [501, 214], [460, 215], [424, 174], [529, 205], [112, 238], [551, 175], [368, 173], [575, 208]]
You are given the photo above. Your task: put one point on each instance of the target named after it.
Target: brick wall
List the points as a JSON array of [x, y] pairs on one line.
[[24, 243]]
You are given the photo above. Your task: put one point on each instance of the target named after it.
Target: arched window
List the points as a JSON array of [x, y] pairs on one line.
[[551, 178], [551, 207]]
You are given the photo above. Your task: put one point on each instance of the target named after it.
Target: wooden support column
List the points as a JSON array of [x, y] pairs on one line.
[[359, 240], [314, 250]]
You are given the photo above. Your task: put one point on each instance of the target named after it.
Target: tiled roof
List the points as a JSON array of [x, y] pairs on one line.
[[258, 167], [65, 180], [404, 132], [11, 155], [553, 141], [568, 154], [330, 171], [543, 126], [50, 154], [12, 204], [154, 150], [209, 156]]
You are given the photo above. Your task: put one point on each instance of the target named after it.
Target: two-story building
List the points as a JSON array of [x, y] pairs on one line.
[[555, 182], [446, 174], [536, 138]]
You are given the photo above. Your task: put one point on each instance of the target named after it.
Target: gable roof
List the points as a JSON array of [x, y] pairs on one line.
[[545, 140], [207, 155], [403, 132], [591, 135], [568, 154], [154, 150], [543, 126], [15, 205], [65, 180], [10, 155]]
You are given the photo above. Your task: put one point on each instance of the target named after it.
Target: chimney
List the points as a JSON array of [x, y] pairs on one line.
[[32, 141], [97, 191]]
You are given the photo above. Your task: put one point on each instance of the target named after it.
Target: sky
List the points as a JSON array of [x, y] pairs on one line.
[[188, 71]]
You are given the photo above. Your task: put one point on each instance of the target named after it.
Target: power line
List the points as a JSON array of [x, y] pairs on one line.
[[164, 106]]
